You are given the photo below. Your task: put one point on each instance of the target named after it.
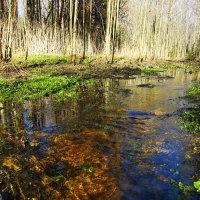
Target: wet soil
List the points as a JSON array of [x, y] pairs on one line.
[[121, 69]]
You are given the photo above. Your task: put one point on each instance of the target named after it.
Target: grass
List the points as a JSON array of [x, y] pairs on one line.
[[194, 92], [152, 70], [40, 60], [197, 185], [36, 60], [57, 59], [191, 119], [88, 60], [43, 86]]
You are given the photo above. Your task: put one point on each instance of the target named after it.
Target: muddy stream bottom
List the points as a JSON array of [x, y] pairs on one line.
[[120, 139]]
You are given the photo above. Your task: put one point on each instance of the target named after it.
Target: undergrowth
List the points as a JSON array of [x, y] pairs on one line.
[[152, 70], [43, 86], [191, 118], [41, 60], [194, 92]]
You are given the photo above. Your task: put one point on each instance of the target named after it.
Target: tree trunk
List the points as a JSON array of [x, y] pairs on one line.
[[90, 26], [1, 47], [115, 24], [3, 9], [108, 25], [84, 36], [74, 31], [71, 29]]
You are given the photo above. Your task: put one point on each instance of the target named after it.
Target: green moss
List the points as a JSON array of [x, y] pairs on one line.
[[152, 70], [38, 87]]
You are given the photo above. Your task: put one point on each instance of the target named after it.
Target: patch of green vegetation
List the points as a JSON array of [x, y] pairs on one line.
[[42, 86], [59, 178], [194, 92], [182, 187], [172, 53], [185, 188], [173, 182], [191, 121], [197, 185], [187, 156], [175, 171], [190, 55], [42, 60], [195, 149], [152, 70], [153, 130], [69, 93], [136, 143], [87, 167], [88, 60], [124, 117], [106, 128]]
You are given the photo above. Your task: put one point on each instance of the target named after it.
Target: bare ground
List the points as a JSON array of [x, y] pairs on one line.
[[101, 69]]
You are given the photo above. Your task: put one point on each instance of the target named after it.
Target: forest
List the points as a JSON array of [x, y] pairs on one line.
[[146, 29], [99, 99]]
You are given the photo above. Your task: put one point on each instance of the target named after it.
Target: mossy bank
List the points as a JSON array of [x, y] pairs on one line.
[[59, 87]]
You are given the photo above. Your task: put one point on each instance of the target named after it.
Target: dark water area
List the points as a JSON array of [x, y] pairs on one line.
[[116, 141]]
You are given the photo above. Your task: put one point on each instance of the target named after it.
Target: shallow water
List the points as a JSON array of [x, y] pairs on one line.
[[116, 141]]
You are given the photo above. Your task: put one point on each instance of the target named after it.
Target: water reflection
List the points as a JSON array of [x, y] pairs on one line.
[[116, 140], [104, 95]]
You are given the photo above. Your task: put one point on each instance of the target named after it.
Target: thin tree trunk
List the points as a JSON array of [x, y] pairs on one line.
[[115, 22], [1, 47], [52, 13], [3, 9], [8, 48], [61, 18], [90, 25], [74, 31], [71, 29], [84, 36], [108, 25]]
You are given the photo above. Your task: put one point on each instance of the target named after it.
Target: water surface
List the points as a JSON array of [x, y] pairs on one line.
[[116, 141]]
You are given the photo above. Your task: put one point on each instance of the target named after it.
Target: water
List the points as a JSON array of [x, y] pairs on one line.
[[116, 141]]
